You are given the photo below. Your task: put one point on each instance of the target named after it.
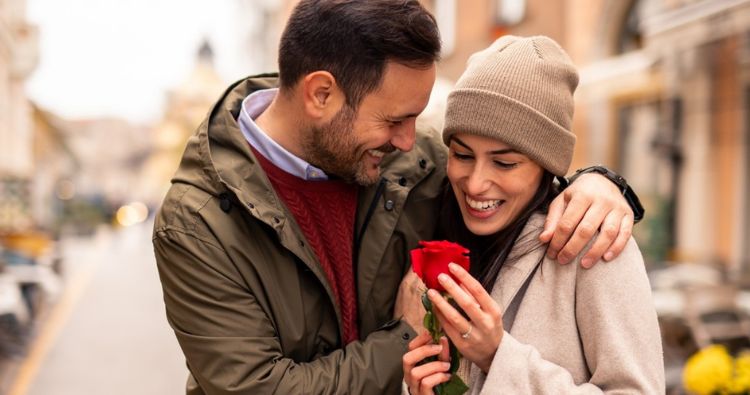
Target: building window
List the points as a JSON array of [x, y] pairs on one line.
[[630, 37]]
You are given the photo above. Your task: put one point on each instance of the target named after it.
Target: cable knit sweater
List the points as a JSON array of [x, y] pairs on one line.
[[325, 212]]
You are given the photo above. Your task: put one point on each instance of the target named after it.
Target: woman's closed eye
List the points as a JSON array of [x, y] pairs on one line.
[[462, 156], [505, 165]]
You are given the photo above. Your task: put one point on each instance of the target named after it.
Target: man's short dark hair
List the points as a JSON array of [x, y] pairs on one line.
[[353, 40]]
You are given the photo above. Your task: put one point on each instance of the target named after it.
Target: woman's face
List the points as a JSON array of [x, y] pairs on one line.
[[492, 182]]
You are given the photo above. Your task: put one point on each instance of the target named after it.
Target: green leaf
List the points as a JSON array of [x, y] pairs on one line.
[[426, 302], [427, 360], [437, 330], [455, 357], [427, 322], [454, 386]]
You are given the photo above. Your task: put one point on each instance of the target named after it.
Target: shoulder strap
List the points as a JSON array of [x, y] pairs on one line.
[[510, 313]]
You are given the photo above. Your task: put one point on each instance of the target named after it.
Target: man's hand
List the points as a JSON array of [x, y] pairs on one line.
[[409, 301], [589, 204]]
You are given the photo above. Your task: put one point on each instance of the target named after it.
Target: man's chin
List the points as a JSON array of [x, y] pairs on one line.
[[368, 177]]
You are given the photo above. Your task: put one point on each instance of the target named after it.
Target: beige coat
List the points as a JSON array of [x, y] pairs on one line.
[[576, 330]]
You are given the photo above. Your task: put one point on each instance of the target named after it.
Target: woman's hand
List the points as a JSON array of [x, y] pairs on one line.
[[478, 337], [421, 379]]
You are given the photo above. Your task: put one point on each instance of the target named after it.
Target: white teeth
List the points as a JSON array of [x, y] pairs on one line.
[[376, 153], [482, 205]]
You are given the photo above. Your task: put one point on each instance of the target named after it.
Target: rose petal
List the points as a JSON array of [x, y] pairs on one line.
[[416, 261], [432, 259]]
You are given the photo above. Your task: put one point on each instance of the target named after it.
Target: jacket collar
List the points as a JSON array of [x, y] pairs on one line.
[[219, 160]]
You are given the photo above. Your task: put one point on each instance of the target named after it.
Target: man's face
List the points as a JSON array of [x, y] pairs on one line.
[[353, 144]]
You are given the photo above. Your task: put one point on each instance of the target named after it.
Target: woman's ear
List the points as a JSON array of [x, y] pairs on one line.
[[321, 95]]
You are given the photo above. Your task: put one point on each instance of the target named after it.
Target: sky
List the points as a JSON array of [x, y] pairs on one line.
[[101, 58]]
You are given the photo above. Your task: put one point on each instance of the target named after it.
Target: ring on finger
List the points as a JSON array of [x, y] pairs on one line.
[[466, 334]]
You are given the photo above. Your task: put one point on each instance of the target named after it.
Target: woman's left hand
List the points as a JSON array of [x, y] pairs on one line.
[[478, 337]]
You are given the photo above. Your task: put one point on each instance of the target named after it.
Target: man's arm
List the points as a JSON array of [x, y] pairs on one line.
[[589, 204], [232, 346]]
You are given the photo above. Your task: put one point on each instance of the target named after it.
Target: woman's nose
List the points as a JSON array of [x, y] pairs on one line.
[[477, 183]]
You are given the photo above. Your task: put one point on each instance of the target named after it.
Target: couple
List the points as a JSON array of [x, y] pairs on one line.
[[283, 240]]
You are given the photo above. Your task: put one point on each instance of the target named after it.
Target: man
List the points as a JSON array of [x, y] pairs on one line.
[[283, 240]]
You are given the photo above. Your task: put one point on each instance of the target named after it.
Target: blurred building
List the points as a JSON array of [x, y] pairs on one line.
[[187, 106], [18, 58], [111, 153], [54, 168], [663, 99], [259, 24]]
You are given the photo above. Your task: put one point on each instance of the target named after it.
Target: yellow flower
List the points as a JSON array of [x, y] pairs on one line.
[[713, 371], [708, 371], [740, 383]]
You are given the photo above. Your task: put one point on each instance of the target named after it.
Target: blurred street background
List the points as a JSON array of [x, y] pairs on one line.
[[98, 97]]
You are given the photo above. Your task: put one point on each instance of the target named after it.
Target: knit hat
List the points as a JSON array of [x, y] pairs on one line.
[[519, 90]]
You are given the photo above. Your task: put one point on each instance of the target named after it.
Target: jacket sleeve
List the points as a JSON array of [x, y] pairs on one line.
[[231, 346], [619, 334]]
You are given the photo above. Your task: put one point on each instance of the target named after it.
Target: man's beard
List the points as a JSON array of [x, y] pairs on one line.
[[334, 149]]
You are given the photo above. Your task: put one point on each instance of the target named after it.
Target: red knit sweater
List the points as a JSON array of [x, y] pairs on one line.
[[325, 212]]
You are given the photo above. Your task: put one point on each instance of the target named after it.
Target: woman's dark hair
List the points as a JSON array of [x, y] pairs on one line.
[[353, 40], [489, 253]]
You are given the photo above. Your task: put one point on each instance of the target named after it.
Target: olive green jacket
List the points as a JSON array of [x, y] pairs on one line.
[[248, 300]]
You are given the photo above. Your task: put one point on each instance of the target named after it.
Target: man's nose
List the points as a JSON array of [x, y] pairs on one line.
[[405, 136]]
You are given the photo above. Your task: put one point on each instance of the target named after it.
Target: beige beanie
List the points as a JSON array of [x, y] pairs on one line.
[[520, 91]]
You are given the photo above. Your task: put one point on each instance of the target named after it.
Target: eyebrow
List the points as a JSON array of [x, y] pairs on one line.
[[496, 152], [403, 117]]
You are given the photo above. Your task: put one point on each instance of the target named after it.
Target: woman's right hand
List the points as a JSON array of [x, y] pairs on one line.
[[478, 337], [421, 379]]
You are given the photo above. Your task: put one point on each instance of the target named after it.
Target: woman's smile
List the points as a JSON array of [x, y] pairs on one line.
[[482, 208]]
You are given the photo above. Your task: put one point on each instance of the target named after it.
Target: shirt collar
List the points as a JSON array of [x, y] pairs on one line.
[[254, 105]]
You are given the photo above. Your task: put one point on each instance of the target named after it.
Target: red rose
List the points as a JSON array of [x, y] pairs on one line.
[[433, 258]]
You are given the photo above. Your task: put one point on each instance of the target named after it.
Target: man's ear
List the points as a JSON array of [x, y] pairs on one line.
[[321, 95]]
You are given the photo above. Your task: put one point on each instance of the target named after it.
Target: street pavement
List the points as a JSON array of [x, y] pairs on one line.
[[107, 334]]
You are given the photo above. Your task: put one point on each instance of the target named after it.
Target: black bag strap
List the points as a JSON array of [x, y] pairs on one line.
[[510, 313]]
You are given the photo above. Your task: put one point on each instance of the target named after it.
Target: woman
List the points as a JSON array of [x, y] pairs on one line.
[[531, 325]]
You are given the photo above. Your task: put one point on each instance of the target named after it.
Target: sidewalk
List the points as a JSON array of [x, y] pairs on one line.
[[108, 332]]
